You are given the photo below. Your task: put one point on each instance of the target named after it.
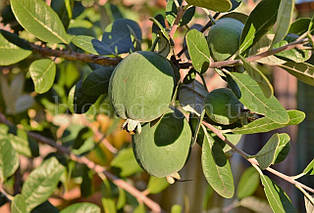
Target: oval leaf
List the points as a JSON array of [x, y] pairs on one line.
[[266, 156], [277, 198], [216, 167], [259, 77], [39, 19], [198, 50], [18, 204], [265, 124], [283, 148], [85, 43], [82, 208], [43, 73], [284, 19], [41, 183], [248, 183], [302, 71], [253, 98], [257, 25], [9, 161], [10, 53]]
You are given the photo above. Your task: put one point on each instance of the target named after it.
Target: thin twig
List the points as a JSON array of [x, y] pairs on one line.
[[101, 171], [265, 54], [254, 161], [176, 23]]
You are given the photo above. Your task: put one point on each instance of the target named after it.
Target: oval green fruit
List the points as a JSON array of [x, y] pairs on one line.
[[141, 87], [224, 38], [223, 107], [215, 5], [162, 148]]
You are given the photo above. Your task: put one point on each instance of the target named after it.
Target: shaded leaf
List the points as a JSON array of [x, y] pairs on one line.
[[156, 185], [85, 43], [265, 124], [46, 207], [256, 25], [248, 183], [18, 204], [253, 98], [10, 53], [266, 156], [191, 97], [216, 167], [82, 207], [188, 15], [198, 50], [9, 161], [43, 74], [259, 77], [41, 183], [40, 19], [283, 148], [300, 26], [125, 163], [284, 19], [302, 71]]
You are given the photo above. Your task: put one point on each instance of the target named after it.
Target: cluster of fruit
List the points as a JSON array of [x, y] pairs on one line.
[[141, 89]]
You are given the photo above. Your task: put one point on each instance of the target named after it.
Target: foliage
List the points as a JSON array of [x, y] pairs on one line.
[[82, 57]]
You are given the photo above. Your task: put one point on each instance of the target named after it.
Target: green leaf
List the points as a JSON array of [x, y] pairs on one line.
[[265, 124], [46, 207], [309, 168], [188, 15], [253, 98], [171, 11], [18, 204], [248, 183], [266, 156], [257, 25], [176, 209], [277, 198], [125, 163], [10, 53], [198, 50], [82, 207], [283, 148], [85, 43], [121, 199], [216, 167], [284, 19], [39, 19], [23, 144], [296, 55], [109, 205], [43, 74], [156, 185], [259, 77], [41, 183], [300, 26], [9, 161], [140, 208], [215, 5], [302, 71]]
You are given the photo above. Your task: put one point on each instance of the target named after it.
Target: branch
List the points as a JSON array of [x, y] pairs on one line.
[[265, 54], [75, 56], [101, 171], [253, 160], [178, 19]]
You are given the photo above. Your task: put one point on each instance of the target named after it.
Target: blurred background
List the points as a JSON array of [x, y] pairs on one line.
[[48, 113]]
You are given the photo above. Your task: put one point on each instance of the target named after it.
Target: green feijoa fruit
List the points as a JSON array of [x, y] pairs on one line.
[[141, 88], [162, 148], [224, 38], [223, 107]]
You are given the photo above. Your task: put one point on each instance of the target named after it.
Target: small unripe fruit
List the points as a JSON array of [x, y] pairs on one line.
[[224, 38], [223, 107]]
